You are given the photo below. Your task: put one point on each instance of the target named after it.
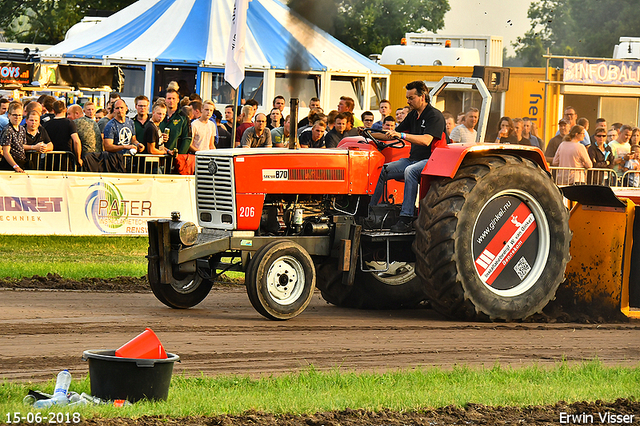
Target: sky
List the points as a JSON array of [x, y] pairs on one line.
[[506, 18]]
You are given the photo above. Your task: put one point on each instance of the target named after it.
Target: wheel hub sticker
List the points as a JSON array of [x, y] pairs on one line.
[[505, 243]]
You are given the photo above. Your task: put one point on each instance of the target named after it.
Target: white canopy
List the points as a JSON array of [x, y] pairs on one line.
[[197, 32]]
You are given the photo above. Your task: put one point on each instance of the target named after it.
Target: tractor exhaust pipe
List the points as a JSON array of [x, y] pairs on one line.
[[293, 127]]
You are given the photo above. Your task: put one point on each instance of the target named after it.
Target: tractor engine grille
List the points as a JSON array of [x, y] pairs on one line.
[[215, 195]]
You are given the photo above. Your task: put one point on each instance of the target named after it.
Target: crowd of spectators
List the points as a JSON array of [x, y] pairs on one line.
[[101, 140], [606, 155], [174, 128]]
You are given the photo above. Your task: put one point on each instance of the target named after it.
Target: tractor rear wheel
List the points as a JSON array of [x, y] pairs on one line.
[[185, 290], [399, 287], [493, 241], [280, 280]]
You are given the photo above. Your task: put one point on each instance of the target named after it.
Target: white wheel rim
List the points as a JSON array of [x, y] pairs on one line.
[[285, 280]]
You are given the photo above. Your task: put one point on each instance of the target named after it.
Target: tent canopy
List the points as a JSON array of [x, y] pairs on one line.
[[197, 32]]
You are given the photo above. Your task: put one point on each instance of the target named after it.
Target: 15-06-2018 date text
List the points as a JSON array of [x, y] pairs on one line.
[[37, 417]]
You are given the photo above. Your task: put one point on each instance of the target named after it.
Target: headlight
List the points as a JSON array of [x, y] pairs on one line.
[[188, 233], [185, 233]]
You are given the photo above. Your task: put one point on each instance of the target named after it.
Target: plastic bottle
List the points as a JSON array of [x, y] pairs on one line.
[[91, 399], [75, 399], [62, 385], [59, 394], [29, 400]]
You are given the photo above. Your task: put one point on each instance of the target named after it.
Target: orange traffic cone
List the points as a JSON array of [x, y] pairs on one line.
[[145, 345]]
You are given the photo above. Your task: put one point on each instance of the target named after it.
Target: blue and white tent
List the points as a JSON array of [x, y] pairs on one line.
[[195, 33]]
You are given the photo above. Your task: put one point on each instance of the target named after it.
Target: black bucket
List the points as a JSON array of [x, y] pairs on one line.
[[132, 379]]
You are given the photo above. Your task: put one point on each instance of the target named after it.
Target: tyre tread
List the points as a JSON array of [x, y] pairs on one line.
[[436, 233]]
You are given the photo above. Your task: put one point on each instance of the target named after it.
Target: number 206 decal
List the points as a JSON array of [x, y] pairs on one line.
[[247, 211]]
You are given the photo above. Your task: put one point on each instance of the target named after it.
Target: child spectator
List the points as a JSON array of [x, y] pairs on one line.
[[633, 165], [13, 141]]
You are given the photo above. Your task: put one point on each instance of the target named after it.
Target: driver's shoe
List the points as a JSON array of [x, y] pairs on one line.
[[404, 224]]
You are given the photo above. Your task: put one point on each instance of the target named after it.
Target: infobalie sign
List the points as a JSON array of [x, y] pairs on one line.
[[602, 71]]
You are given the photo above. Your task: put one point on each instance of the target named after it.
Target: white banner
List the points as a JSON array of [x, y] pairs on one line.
[[58, 203], [234, 65], [31, 205]]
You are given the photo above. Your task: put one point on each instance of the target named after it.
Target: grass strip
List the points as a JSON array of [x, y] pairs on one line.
[[313, 391], [72, 257], [76, 257]]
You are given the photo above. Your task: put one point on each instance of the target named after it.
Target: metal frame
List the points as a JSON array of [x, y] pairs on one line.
[[484, 92], [314, 245]]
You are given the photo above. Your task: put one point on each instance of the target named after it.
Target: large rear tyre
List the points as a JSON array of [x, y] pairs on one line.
[[280, 280], [185, 290], [492, 242], [397, 288]]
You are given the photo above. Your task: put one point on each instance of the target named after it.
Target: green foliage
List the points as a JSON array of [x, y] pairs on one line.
[[576, 28], [314, 391], [367, 26], [47, 21]]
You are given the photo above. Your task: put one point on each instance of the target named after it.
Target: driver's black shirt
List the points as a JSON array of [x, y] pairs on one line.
[[430, 122]]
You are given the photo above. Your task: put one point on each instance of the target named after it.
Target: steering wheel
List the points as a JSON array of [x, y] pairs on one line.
[[397, 143]]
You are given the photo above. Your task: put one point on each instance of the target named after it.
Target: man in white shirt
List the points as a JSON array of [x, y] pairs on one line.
[[466, 132], [203, 130]]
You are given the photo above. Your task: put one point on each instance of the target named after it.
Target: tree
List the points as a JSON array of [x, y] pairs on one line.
[[47, 21], [571, 28], [367, 26]]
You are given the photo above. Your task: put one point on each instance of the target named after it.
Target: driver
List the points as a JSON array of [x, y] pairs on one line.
[[423, 127]]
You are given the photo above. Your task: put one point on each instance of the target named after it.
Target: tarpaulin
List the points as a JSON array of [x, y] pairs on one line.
[[39, 76]]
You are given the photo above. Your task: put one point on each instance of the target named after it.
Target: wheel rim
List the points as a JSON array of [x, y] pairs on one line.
[[398, 273], [285, 280], [510, 243], [187, 284]]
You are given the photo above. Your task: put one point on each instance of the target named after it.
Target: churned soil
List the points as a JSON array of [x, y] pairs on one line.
[[47, 323], [56, 282], [471, 414]]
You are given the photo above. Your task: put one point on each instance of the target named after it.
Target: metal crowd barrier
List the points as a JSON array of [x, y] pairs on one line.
[[148, 164], [564, 176], [52, 161], [631, 178], [66, 161], [162, 164]]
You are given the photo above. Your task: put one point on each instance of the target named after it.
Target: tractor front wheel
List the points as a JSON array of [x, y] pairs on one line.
[[185, 290], [280, 280]]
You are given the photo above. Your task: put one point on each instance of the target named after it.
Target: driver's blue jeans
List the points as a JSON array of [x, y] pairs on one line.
[[410, 171]]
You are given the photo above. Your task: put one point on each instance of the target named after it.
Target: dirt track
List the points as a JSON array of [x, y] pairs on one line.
[[45, 331]]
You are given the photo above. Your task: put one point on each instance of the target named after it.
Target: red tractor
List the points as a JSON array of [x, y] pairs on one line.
[[491, 240]]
